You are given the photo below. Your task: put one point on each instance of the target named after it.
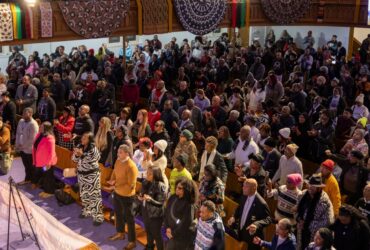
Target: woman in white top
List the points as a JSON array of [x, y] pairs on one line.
[[142, 156], [124, 119], [256, 96], [158, 159]]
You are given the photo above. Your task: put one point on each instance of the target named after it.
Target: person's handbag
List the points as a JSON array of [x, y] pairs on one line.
[[63, 198], [69, 172], [6, 161]]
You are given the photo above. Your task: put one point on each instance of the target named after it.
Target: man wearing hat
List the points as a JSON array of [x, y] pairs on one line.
[[284, 139], [187, 146], [211, 156], [287, 197], [272, 157], [359, 109], [46, 108], [331, 184], [179, 170], [9, 112], [314, 212], [289, 164], [254, 171]]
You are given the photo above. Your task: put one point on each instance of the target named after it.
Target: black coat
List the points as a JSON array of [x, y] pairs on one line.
[[155, 206], [9, 115], [259, 215], [271, 163]]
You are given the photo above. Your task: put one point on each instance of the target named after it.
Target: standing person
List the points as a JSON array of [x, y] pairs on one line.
[[86, 155], [5, 148], [323, 240], [44, 158], [26, 95], [314, 211], [104, 141], [153, 195], [46, 108], [83, 123], [9, 112], [251, 216], [120, 139], [331, 184], [141, 127], [178, 171], [26, 133], [210, 229], [123, 182], [180, 214], [351, 230], [187, 146], [64, 126], [363, 204], [211, 156], [284, 239]]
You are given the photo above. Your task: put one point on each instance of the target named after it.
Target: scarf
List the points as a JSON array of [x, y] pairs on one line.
[[204, 161], [246, 144]]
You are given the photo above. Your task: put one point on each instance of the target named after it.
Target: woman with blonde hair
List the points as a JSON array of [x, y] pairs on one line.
[[104, 141], [141, 127]]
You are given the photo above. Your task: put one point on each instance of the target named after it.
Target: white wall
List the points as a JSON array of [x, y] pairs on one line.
[[361, 33], [322, 34]]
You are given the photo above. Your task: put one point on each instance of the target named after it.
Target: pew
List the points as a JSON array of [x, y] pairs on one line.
[[233, 244], [64, 158], [229, 207], [309, 167], [233, 186]]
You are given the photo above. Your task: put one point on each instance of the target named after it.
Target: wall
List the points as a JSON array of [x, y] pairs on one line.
[[96, 43], [322, 34], [361, 33]]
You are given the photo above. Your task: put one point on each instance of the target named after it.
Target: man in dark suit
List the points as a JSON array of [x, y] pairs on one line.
[[251, 216], [217, 111]]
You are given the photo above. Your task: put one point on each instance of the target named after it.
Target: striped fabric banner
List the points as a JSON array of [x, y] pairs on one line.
[[46, 17], [29, 23], [238, 13], [6, 23], [17, 21]]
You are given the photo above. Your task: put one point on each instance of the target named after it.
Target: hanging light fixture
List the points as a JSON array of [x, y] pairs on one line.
[[30, 3]]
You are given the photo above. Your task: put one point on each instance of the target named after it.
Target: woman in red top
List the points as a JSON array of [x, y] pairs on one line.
[[130, 93], [63, 128], [44, 158]]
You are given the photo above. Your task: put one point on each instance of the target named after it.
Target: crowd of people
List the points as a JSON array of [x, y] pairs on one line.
[[203, 109]]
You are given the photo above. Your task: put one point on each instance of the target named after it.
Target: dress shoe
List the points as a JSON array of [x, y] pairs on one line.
[[130, 245], [117, 236], [23, 182], [82, 216], [97, 223]]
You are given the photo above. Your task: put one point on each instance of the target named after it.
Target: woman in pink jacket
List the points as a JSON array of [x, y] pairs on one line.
[[44, 158]]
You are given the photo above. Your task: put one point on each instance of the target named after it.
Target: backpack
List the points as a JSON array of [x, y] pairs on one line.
[[63, 198]]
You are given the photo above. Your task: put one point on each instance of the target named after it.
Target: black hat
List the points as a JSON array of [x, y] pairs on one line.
[[69, 109], [270, 142], [183, 159], [6, 93], [357, 154], [257, 157], [316, 181]]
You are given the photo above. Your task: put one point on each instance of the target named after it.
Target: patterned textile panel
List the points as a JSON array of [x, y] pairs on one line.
[[93, 19], [155, 16], [285, 11], [6, 22], [202, 16]]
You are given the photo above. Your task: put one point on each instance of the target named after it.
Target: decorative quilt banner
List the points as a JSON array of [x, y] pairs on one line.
[[238, 9], [202, 16], [93, 19], [6, 23], [46, 17], [285, 11]]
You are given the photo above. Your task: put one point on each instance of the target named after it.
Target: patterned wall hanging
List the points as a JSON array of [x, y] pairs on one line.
[[202, 16], [285, 11], [93, 19], [46, 17], [155, 14], [6, 23]]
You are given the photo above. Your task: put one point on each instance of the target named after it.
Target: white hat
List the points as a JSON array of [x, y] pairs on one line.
[[285, 132], [360, 98], [161, 145]]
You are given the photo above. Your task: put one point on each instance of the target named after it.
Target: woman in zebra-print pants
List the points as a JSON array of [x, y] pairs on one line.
[[86, 155]]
